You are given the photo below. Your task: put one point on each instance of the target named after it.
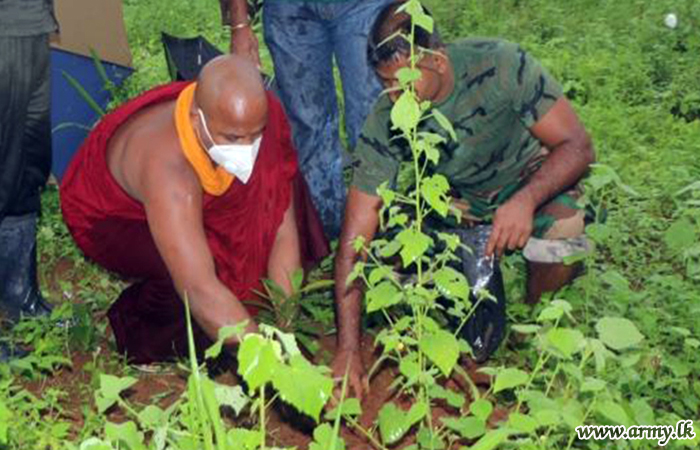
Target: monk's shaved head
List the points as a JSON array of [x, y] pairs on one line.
[[231, 94]]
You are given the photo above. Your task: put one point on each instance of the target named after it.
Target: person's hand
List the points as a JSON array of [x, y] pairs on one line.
[[245, 43], [350, 361], [512, 225]]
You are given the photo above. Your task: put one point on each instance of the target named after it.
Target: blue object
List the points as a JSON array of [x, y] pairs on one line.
[[302, 38], [71, 116]]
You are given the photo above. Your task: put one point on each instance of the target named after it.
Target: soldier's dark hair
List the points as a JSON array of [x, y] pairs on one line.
[[390, 34]]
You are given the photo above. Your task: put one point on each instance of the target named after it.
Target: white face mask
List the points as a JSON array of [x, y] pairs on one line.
[[236, 159]]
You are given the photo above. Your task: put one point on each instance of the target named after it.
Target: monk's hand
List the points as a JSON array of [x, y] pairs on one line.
[[350, 362], [512, 225], [244, 42]]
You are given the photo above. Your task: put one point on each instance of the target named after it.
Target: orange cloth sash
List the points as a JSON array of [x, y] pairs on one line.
[[214, 180]]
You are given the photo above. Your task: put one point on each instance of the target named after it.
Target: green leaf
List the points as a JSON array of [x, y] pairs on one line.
[[415, 244], [258, 360], [395, 423], [303, 386], [5, 416], [405, 114], [522, 423], [681, 235], [550, 314], [442, 349], [452, 398], [231, 396], [614, 412], [382, 296], [324, 439], [618, 333], [350, 407], [242, 439], [110, 388], [591, 384], [406, 75], [95, 444], [390, 249], [526, 329], [126, 433], [225, 333], [451, 284], [564, 341], [467, 427], [481, 408], [509, 378], [450, 240], [418, 15], [445, 123], [152, 416], [491, 440], [435, 190], [380, 273], [392, 423]]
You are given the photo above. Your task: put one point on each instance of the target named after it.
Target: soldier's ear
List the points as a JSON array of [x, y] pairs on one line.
[[441, 61]]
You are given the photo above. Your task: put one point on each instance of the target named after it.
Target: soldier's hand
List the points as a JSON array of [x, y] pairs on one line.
[[244, 42], [512, 225]]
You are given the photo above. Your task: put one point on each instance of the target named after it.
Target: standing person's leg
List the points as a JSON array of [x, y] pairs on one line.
[[300, 44], [361, 86], [25, 160]]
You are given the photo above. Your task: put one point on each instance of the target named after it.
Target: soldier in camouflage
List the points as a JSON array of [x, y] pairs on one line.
[[519, 155]]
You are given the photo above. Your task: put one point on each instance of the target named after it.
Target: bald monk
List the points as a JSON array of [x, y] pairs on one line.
[[187, 189]]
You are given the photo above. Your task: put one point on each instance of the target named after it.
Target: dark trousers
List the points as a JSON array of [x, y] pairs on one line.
[[25, 123]]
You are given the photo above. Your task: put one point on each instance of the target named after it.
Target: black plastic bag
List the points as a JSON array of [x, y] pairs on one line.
[[485, 329]]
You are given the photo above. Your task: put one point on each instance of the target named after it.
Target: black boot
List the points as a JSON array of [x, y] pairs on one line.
[[19, 290]]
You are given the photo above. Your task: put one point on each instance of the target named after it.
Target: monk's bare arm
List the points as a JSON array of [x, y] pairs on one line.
[[285, 257], [172, 198]]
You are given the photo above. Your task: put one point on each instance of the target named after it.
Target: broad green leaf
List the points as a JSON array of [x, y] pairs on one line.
[[390, 249], [550, 314], [481, 408], [451, 284], [152, 416], [225, 333], [591, 384], [127, 433], [111, 386], [442, 349], [614, 412], [618, 333], [395, 423], [509, 378], [467, 427], [415, 244], [303, 386], [565, 341], [409, 368], [681, 235], [522, 423], [572, 413], [406, 75], [257, 360], [324, 439], [231, 396], [418, 15], [405, 114], [5, 416], [95, 444], [493, 439], [242, 439], [356, 272], [380, 273], [547, 417], [452, 398], [392, 423], [643, 412], [526, 329], [382, 296], [445, 123], [349, 407], [435, 190], [451, 240]]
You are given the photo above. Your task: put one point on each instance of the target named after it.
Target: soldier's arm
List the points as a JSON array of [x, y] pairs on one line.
[[571, 154]]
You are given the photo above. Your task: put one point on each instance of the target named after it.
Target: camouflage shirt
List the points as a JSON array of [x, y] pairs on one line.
[[500, 91]]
